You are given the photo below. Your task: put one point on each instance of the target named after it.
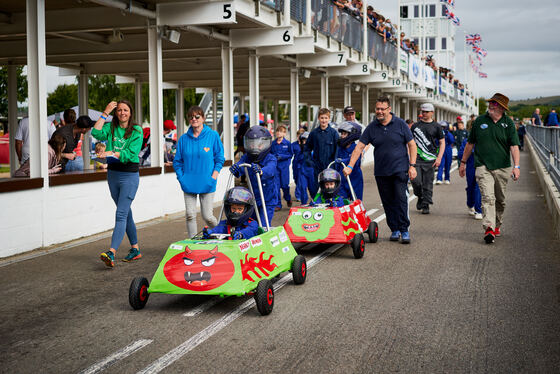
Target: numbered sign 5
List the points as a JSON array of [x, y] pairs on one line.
[[196, 13]]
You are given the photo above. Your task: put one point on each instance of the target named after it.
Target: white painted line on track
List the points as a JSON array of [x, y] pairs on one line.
[[203, 307], [188, 345], [371, 211], [119, 355]]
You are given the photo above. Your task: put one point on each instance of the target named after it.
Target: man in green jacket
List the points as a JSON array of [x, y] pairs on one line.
[[495, 137]]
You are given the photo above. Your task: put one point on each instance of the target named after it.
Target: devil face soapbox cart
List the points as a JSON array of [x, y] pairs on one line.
[[219, 266], [324, 224]]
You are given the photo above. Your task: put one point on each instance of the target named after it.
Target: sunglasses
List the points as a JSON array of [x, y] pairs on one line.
[[196, 116]]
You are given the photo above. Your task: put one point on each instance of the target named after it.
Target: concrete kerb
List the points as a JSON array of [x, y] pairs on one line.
[[551, 193]]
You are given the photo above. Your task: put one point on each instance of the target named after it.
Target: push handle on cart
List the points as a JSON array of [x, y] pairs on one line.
[[227, 189], [347, 178], [245, 167]]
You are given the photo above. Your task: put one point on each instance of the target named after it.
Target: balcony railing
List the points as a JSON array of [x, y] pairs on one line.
[[547, 145]]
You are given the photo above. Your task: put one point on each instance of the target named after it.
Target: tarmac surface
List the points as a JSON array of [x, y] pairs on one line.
[[446, 303]]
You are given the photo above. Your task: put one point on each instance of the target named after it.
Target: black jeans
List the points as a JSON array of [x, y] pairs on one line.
[[393, 191], [423, 184]]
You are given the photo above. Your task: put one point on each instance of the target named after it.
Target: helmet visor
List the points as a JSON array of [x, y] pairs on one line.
[[256, 146]]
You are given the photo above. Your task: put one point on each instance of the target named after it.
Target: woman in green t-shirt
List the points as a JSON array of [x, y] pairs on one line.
[[124, 140]]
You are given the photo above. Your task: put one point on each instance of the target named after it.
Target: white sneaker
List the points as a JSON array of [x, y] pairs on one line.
[[447, 182], [438, 182], [478, 216], [472, 211]]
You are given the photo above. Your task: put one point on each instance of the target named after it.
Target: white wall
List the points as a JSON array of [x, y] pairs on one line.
[[39, 218]]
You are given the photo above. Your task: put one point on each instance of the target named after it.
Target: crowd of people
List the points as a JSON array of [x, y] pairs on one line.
[[404, 152]]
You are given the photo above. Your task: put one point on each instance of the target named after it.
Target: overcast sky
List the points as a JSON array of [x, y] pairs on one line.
[[522, 39]]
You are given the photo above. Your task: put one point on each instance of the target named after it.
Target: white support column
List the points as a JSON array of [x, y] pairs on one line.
[[180, 111], [83, 102], [12, 116], [227, 99], [365, 105], [155, 78], [406, 109], [138, 102], [37, 89], [397, 107], [294, 103], [265, 112], [347, 94], [215, 110], [287, 16], [308, 17], [254, 88], [242, 104], [414, 108], [324, 91], [276, 112]]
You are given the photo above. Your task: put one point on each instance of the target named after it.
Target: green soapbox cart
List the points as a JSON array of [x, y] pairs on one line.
[[225, 267]]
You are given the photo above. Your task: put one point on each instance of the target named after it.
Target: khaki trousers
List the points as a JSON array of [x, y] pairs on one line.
[[492, 184]]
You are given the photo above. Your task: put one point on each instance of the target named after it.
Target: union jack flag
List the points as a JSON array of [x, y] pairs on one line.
[[448, 2], [473, 39], [450, 15], [482, 75]]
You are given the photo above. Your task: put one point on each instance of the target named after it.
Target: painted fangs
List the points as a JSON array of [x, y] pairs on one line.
[[310, 228]]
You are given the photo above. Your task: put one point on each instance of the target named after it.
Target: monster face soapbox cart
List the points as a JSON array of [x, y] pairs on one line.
[[225, 267], [324, 224]]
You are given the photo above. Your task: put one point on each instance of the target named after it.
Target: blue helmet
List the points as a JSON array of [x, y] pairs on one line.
[[329, 175], [257, 141], [353, 130], [242, 196]]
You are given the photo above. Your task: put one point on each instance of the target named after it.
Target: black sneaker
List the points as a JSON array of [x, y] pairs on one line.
[[419, 204], [426, 210]]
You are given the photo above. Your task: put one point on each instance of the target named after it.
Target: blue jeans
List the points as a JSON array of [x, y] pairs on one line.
[[123, 186], [76, 164]]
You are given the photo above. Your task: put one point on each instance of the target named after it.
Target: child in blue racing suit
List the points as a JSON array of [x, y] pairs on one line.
[[349, 133], [257, 141], [329, 184], [447, 155], [238, 208], [282, 149]]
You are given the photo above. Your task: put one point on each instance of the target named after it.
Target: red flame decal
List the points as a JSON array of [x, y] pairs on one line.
[[265, 266]]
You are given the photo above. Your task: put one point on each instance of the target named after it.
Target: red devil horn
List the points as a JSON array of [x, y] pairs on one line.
[[188, 251], [214, 251]]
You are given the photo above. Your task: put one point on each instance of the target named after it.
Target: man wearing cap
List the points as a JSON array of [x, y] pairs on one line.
[[495, 137], [430, 140]]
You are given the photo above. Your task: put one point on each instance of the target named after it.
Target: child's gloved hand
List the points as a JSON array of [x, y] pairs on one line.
[[237, 235], [256, 169], [235, 170], [205, 233]]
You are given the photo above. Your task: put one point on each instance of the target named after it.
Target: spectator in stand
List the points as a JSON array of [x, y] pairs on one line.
[[406, 46], [390, 31], [551, 118], [372, 20], [242, 127], [72, 133], [22, 138], [536, 118], [56, 145]]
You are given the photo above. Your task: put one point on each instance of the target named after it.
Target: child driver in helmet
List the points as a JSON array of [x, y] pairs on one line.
[[329, 184], [238, 207]]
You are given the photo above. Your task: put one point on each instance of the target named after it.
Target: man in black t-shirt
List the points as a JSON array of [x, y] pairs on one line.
[[430, 141]]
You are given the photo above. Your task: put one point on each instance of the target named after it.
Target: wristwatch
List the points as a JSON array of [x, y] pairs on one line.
[[463, 162], [413, 165]]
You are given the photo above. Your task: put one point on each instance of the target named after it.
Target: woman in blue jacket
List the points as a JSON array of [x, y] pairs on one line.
[[197, 163]]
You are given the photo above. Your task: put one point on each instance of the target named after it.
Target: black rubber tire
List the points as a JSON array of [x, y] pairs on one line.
[[138, 293], [373, 232], [358, 245], [264, 297], [299, 269]]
